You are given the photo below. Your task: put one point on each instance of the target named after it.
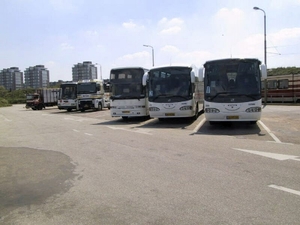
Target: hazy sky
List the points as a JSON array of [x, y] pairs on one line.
[[61, 33]]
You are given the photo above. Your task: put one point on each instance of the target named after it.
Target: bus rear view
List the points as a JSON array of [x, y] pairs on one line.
[[232, 89]]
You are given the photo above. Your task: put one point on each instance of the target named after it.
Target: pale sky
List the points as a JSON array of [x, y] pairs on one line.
[[61, 33]]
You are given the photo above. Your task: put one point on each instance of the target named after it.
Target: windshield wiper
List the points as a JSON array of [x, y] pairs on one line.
[[221, 93], [249, 96], [158, 96], [233, 92], [176, 96]]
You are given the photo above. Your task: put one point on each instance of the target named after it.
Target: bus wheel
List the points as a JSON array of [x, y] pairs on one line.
[[69, 110], [99, 107], [124, 117], [253, 122], [82, 110]]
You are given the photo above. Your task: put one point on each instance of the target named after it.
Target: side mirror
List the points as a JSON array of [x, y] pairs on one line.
[[263, 69], [193, 76], [201, 74], [145, 78]]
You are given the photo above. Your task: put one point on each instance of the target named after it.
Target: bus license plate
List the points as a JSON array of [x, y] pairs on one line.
[[232, 117], [125, 111], [170, 114]]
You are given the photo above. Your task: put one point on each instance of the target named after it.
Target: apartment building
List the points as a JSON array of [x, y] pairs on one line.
[[84, 71], [36, 77], [11, 78]]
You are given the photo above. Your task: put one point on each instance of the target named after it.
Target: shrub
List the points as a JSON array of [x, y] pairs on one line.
[[4, 102]]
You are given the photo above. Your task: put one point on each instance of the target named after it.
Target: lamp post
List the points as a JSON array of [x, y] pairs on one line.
[[152, 53], [100, 70], [265, 33]]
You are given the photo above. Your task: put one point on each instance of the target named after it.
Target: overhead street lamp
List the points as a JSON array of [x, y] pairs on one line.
[[265, 33], [100, 70], [152, 53]]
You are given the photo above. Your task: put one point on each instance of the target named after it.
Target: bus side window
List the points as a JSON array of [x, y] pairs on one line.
[[283, 84], [272, 84]]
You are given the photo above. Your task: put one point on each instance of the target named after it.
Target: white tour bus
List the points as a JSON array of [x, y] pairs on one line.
[[173, 91], [128, 95], [232, 89]]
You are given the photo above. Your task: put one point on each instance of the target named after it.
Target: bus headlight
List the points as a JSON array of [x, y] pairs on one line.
[[253, 109], [211, 110], [186, 108], [154, 109]]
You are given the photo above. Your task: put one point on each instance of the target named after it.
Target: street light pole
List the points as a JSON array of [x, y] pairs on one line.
[[100, 70], [265, 32], [152, 53]]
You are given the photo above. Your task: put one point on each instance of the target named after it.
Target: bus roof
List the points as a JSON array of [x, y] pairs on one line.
[[232, 60], [129, 67], [174, 65]]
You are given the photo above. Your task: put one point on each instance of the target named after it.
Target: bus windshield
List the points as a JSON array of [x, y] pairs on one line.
[[126, 83], [68, 91], [170, 84], [232, 80]]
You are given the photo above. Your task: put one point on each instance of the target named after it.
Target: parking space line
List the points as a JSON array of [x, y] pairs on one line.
[[269, 132], [199, 125], [285, 189], [8, 120], [140, 131]]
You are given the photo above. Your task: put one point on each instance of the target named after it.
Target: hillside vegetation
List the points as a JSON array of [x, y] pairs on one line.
[[283, 71], [7, 98]]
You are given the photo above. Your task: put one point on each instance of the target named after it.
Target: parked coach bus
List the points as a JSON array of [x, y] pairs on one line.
[[128, 95], [173, 91], [232, 89], [283, 89]]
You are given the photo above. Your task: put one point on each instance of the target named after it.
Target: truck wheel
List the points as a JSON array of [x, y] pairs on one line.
[[99, 107]]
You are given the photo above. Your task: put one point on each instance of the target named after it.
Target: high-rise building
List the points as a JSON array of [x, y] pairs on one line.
[[11, 78], [36, 77], [84, 71]]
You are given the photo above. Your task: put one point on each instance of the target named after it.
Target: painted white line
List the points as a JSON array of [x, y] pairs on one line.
[[147, 122], [140, 131], [8, 120], [77, 120], [280, 157], [269, 131], [199, 125], [75, 130], [285, 189], [88, 134]]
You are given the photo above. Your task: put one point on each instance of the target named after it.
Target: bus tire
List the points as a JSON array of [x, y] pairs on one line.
[[100, 106]]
